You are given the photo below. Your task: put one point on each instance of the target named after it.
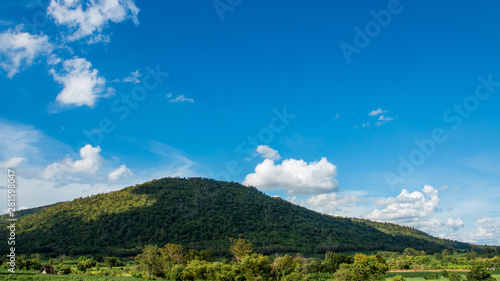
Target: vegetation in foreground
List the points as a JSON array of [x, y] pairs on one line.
[[175, 262]]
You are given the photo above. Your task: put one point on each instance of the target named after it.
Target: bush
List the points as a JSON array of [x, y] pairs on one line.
[[364, 268], [398, 278], [478, 273], [333, 261], [452, 276], [314, 265], [255, 267], [63, 269], [113, 262], [86, 264], [431, 276]]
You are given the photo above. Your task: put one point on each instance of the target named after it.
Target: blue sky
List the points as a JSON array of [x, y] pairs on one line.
[[384, 110]]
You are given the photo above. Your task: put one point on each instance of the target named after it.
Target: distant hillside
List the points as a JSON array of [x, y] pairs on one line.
[[202, 214]]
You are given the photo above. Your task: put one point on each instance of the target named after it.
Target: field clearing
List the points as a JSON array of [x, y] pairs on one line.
[[412, 275]]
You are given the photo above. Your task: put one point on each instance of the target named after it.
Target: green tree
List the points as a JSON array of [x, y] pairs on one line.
[[150, 261], [332, 262], [83, 265], [113, 262], [240, 247], [478, 274], [364, 268], [173, 253]]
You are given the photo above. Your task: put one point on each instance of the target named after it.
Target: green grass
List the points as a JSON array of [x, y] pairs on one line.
[[34, 275], [418, 276]]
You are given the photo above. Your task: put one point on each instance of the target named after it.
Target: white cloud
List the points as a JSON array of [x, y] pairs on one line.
[[296, 176], [179, 98], [485, 220], [330, 203], [383, 119], [19, 50], [487, 233], [12, 162], [89, 18], [376, 112], [122, 171], [268, 153], [133, 77], [90, 163], [429, 224], [454, 225], [82, 84], [412, 208]]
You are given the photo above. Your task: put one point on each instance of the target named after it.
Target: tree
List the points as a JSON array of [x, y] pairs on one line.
[[410, 252], [113, 262], [333, 261], [173, 253], [83, 265], [364, 268], [240, 247], [478, 274], [150, 261], [452, 276]]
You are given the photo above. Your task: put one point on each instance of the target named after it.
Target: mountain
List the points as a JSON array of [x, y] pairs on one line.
[[202, 214]]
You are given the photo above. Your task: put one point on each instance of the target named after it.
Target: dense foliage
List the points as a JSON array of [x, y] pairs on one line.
[[202, 214], [248, 265]]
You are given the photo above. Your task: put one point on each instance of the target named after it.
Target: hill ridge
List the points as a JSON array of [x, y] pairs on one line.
[[202, 214]]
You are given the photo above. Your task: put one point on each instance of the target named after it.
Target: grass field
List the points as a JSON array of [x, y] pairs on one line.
[[418, 276]]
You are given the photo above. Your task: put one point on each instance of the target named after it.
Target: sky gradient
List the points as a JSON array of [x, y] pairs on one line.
[[386, 110]]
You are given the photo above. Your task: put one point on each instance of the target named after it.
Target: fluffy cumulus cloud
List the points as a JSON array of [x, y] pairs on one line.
[[88, 18], [81, 84], [268, 153], [89, 163], [410, 208], [120, 172], [295, 176], [454, 224], [20, 49], [330, 203], [487, 232]]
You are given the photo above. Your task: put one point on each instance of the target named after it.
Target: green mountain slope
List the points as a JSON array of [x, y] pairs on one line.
[[202, 214]]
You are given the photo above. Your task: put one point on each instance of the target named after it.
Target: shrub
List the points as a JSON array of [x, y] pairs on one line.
[[398, 278], [478, 273], [333, 261], [453, 276], [431, 276], [63, 269], [113, 262], [364, 268], [86, 264]]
